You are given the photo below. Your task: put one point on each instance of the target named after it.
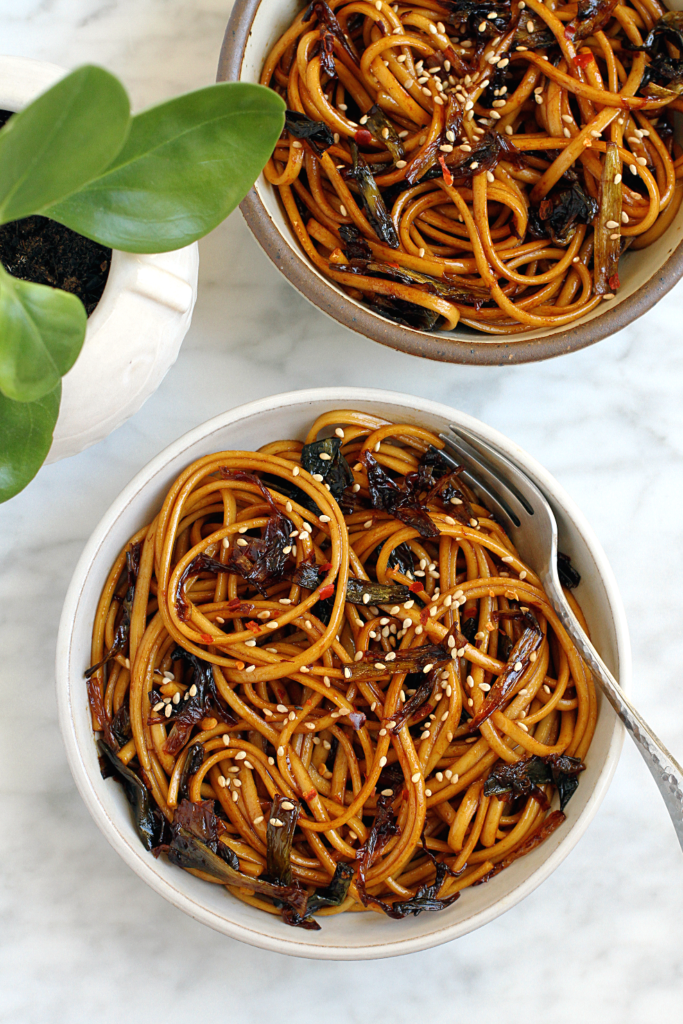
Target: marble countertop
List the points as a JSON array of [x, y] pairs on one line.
[[82, 938]]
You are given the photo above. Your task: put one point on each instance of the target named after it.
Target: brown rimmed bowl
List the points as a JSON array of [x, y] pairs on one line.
[[646, 275]]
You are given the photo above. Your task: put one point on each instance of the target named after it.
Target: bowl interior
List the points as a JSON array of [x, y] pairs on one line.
[[636, 268], [349, 935]]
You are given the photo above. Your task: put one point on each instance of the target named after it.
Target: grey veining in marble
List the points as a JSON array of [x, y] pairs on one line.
[[81, 938]]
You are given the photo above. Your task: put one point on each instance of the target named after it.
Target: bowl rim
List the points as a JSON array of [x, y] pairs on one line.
[[135, 855], [439, 347]]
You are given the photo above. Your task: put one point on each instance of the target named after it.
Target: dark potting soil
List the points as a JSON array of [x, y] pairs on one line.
[[41, 250]]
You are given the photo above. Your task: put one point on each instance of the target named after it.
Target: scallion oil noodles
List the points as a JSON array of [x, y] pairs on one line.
[[327, 681], [478, 161]]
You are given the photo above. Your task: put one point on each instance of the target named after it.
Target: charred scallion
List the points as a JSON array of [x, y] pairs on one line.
[[608, 225]]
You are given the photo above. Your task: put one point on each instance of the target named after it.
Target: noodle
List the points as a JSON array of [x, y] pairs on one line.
[[448, 161], [326, 661]]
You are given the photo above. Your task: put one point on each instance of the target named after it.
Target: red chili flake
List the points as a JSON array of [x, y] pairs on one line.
[[239, 665], [253, 627], [545, 209], [614, 282], [570, 31], [363, 137], [447, 176], [312, 793], [582, 60], [396, 266], [327, 591], [206, 638], [416, 587], [424, 616], [325, 567], [234, 604]]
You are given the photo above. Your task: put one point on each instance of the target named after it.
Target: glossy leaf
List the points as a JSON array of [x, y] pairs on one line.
[[61, 141], [25, 437], [42, 331], [185, 166]]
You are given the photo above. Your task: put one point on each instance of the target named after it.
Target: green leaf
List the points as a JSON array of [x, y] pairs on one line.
[[41, 333], [62, 140], [185, 166], [25, 437]]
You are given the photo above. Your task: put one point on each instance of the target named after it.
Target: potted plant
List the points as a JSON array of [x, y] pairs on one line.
[[150, 183]]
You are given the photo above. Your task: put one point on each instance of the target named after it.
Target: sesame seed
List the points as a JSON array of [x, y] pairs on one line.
[[641, 160], [614, 236], [474, 165], [633, 169], [508, 129], [276, 823], [624, 218], [159, 706], [169, 709], [522, 574], [489, 176], [611, 224], [380, 666], [257, 821], [382, 762], [470, 681], [523, 726], [607, 297], [533, 656], [567, 134], [295, 471], [538, 97], [518, 666], [280, 751], [432, 29]]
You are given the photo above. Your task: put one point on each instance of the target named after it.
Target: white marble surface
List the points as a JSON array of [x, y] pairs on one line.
[[82, 938]]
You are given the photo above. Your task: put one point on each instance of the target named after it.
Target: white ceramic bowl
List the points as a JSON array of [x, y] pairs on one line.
[[347, 936], [135, 332]]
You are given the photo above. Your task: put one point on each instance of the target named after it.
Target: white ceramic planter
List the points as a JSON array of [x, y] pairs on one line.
[[135, 332]]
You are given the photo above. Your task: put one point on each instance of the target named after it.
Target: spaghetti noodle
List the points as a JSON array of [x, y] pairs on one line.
[[478, 161], [327, 681]]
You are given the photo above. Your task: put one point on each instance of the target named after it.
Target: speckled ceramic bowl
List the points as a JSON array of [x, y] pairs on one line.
[[346, 936], [646, 275]]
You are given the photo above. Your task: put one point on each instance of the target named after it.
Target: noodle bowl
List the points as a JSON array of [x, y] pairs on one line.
[[327, 681], [507, 163]]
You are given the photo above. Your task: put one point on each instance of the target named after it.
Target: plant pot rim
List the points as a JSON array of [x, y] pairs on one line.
[[295, 267]]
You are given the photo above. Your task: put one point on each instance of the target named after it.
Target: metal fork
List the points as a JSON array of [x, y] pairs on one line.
[[530, 522]]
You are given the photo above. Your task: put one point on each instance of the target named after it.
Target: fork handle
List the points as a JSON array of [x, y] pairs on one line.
[[665, 770]]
